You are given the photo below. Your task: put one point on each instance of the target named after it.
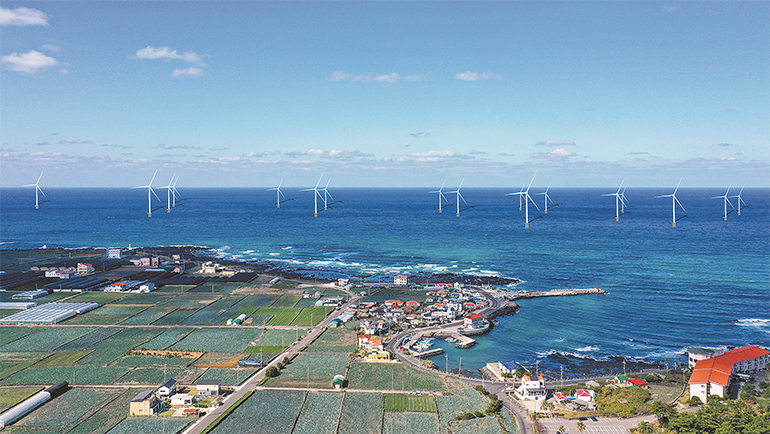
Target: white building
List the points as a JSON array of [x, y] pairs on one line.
[[531, 388], [696, 354], [114, 253], [168, 388], [85, 268], [712, 376], [183, 399], [401, 280]]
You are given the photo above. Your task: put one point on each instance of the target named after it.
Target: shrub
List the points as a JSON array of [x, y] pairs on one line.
[[272, 371]]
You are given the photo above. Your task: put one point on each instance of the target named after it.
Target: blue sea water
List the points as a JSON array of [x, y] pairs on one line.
[[704, 283]]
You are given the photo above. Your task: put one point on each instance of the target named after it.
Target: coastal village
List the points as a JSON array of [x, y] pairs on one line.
[[169, 340]]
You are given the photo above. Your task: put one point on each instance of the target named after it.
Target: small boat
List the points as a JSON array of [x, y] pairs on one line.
[[451, 340]]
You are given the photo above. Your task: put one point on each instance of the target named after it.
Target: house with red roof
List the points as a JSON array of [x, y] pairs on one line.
[[585, 395], [637, 382], [712, 376]]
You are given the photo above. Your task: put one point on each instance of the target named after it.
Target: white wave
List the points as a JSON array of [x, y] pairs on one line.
[[274, 254], [665, 354], [753, 322], [287, 248], [587, 349], [249, 251]]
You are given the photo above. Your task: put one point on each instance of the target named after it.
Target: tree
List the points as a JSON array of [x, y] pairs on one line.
[[561, 428], [581, 426], [272, 372]]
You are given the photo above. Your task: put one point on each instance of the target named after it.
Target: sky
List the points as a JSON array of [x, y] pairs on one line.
[[385, 94]]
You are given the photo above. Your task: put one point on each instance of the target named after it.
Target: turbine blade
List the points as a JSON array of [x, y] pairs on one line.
[[680, 204], [677, 185], [532, 180], [533, 202], [153, 192], [319, 181], [39, 178], [153, 176]]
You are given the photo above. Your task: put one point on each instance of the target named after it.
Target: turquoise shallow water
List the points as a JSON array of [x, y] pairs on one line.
[[705, 282]]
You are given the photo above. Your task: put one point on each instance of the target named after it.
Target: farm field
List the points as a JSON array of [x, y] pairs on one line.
[[278, 338], [148, 316], [402, 402], [75, 375], [261, 406], [62, 358], [65, 411], [47, 339], [231, 340], [314, 369], [281, 316], [463, 399], [335, 339], [409, 422], [108, 415], [175, 317], [479, 425], [309, 316], [286, 301], [106, 315], [167, 425], [361, 413], [167, 338], [228, 376], [89, 339], [12, 396], [392, 376], [10, 334], [319, 414]]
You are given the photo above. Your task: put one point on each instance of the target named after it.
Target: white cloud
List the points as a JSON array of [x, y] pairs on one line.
[[392, 78], [188, 72], [22, 17], [556, 154], [316, 152], [433, 154], [28, 62], [166, 54], [555, 143], [50, 48], [473, 76]]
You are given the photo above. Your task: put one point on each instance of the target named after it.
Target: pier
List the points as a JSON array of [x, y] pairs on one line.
[[559, 292]]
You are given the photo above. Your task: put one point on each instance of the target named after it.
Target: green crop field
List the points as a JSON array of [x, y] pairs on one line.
[[46, 340], [335, 339], [279, 338], [413, 423], [140, 425], [309, 316], [98, 297], [75, 375], [85, 341], [320, 413], [190, 300], [480, 425], [174, 289], [361, 413], [8, 368], [148, 316], [462, 400], [62, 358], [67, 409], [167, 338], [392, 376], [508, 422], [12, 396], [175, 317], [314, 369], [10, 334], [260, 413], [137, 334], [403, 402], [108, 415], [205, 316], [106, 352], [228, 376], [106, 315], [286, 301], [149, 375], [306, 302], [282, 316], [231, 340]]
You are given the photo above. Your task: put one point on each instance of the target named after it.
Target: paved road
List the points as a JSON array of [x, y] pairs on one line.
[[251, 384]]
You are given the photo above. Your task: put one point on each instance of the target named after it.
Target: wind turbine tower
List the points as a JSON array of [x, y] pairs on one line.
[[459, 196], [327, 195], [440, 195], [37, 190], [150, 192], [547, 198], [316, 194], [727, 201], [618, 199], [169, 192], [674, 201], [738, 202], [524, 194], [278, 194]]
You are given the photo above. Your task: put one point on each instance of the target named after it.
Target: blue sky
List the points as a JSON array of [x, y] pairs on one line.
[[385, 93]]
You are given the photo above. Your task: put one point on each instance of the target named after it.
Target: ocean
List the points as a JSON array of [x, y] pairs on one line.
[[704, 283]]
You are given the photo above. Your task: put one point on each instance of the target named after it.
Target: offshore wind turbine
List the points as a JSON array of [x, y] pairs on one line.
[[727, 201], [169, 192], [547, 198], [440, 195], [174, 193], [149, 197], [459, 196], [618, 199], [738, 196], [674, 201], [37, 190], [279, 195], [327, 194], [316, 194], [524, 194], [623, 200]]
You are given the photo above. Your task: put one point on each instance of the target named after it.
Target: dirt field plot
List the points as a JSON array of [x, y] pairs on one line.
[[261, 406], [157, 361], [314, 369], [319, 414], [361, 413], [219, 360], [392, 376]]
